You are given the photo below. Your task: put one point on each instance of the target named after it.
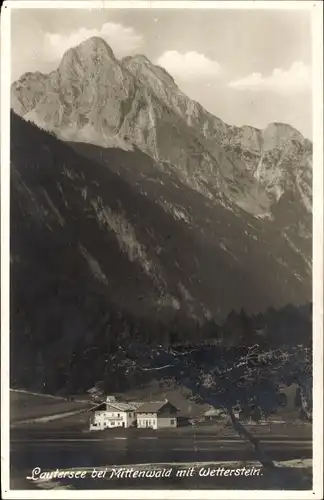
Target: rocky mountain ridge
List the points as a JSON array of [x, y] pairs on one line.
[[92, 97]]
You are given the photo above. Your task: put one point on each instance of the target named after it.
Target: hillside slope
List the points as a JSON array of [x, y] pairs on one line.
[[150, 242], [134, 208]]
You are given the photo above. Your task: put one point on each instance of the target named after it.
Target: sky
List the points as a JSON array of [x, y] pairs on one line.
[[247, 67]]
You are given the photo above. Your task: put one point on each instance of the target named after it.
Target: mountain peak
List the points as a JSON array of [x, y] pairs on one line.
[[140, 65], [276, 134], [138, 58], [95, 44], [91, 52], [284, 129]]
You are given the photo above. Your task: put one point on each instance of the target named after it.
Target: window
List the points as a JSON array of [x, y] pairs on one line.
[[172, 422], [118, 414]]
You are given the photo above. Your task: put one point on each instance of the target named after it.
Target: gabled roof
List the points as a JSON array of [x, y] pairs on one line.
[[98, 406], [121, 406], [214, 412], [152, 407], [149, 407]]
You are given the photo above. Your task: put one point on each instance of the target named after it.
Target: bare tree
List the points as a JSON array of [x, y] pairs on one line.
[[248, 377]]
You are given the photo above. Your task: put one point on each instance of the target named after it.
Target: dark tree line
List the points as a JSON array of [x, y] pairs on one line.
[[88, 350]]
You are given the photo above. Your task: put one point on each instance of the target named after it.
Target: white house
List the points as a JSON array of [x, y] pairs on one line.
[[156, 415], [113, 414]]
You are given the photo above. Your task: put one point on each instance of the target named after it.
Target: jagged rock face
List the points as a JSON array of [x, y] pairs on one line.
[[94, 98], [279, 157], [85, 99]]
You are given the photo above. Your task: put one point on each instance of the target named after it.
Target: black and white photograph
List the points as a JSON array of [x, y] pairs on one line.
[[162, 249]]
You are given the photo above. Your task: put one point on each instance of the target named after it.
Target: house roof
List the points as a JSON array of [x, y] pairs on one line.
[[121, 406], [97, 406], [152, 407], [214, 411]]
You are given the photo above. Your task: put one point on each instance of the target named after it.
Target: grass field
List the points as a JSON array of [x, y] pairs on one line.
[[24, 405], [79, 423]]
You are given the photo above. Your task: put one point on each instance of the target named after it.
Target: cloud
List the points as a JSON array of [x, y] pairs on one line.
[[294, 80], [122, 39], [189, 66]]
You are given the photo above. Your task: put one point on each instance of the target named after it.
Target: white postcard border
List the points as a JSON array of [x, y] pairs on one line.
[[316, 7]]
